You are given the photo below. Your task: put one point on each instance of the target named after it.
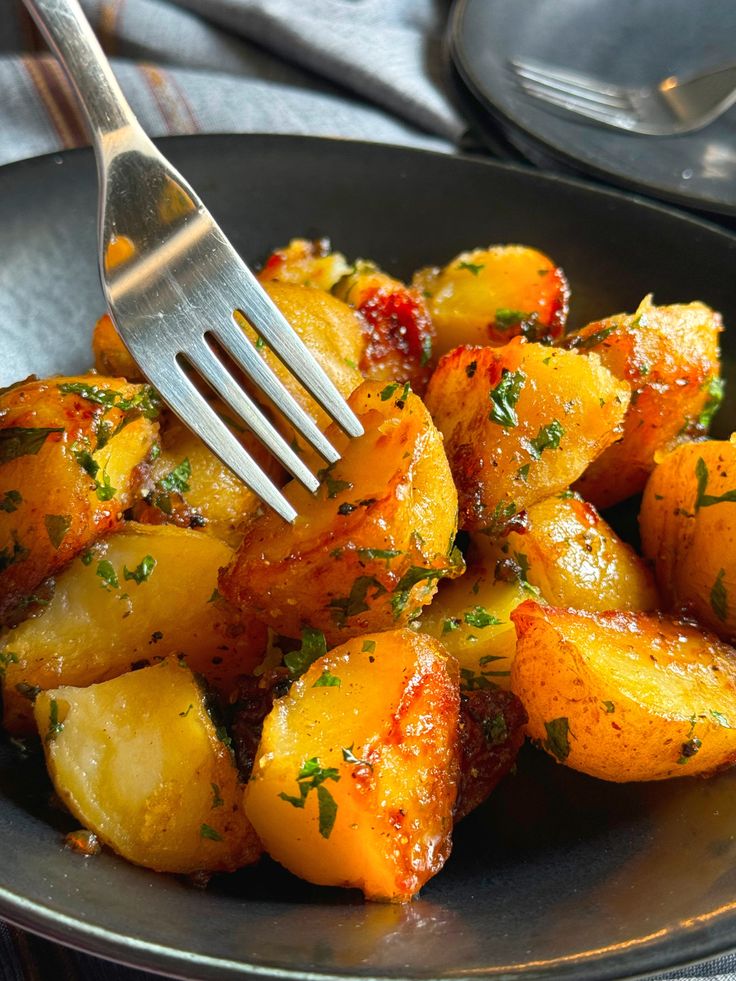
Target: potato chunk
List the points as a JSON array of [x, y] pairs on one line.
[[367, 550], [305, 263], [520, 423], [356, 774], [138, 761], [139, 595], [625, 696], [111, 355], [68, 447], [688, 528], [568, 552], [669, 356], [487, 296]]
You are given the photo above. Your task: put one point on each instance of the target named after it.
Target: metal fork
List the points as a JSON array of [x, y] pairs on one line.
[[173, 282], [666, 109]]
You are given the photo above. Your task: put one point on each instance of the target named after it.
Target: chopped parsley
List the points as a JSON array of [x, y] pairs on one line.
[[312, 777], [13, 553], [107, 574], [579, 343], [609, 707], [505, 396], [472, 267], [333, 486], [505, 318], [57, 525], [217, 800], [11, 501], [349, 756], [145, 401], [557, 741], [689, 749], [6, 658], [177, 480], [369, 647], [703, 500], [548, 438], [142, 571], [409, 580], [719, 597], [327, 680], [344, 607], [18, 441], [55, 727], [720, 718], [450, 624], [313, 646], [206, 831], [479, 617], [714, 392]]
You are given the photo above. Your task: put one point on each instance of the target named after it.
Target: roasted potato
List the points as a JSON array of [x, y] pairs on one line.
[[488, 296], [400, 332], [68, 448], [139, 762], [471, 616], [137, 596], [568, 552], [520, 423], [688, 529], [356, 775], [111, 355], [669, 356], [625, 696], [367, 550], [305, 263]]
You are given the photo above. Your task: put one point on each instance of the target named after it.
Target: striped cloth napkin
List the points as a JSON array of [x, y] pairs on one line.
[[366, 69]]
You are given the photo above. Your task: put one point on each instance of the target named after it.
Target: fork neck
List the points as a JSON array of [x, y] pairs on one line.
[[72, 40]]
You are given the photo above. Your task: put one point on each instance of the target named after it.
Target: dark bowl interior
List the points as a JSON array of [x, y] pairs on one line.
[[558, 875]]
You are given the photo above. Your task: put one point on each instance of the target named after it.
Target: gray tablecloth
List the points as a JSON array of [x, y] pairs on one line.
[[368, 69]]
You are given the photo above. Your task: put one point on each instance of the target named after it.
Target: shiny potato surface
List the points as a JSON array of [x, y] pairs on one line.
[[367, 550], [136, 596], [138, 761], [669, 356], [688, 529], [520, 423], [305, 263], [575, 559], [111, 355], [68, 448], [625, 696], [488, 296], [355, 778]]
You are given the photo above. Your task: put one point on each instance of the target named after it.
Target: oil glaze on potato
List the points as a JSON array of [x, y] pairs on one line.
[[111, 355], [568, 552], [367, 550], [669, 356], [688, 529], [68, 447], [305, 263], [487, 296], [136, 596], [520, 423], [356, 775], [138, 761], [625, 696]]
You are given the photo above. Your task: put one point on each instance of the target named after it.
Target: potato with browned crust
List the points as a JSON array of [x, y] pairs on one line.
[[366, 551], [139, 762], [575, 559], [136, 596], [68, 449], [520, 423], [111, 355], [355, 777], [488, 296], [625, 696], [669, 356], [688, 529]]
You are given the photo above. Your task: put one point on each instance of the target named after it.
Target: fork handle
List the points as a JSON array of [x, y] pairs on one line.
[[70, 37]]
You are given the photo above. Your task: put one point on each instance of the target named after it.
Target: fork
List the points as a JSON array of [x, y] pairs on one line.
[[666, 109], [174, 284]]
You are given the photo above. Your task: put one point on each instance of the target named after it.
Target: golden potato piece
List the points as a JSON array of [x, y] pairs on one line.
[[568, 552], [137, 596], [520, 423], [625, 696], [330, 330], [305, 263], [367, 550], [138, 761], [471, 616], [356, 774], [111, 355], [189, 486], [399, 328], [488, 296], [68, 448], [688, 529], [669, 356]]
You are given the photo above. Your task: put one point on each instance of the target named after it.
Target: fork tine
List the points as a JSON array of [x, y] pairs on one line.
[[540, 71], [231, 336], [214, 371], [182, 397], [579, 108], [273, 327], [568, 88]]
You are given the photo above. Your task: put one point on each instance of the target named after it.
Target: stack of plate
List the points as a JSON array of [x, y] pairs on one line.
[[631, 42]]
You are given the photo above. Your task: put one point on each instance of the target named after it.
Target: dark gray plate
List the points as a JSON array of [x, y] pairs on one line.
[[630, 42], [558, 876]]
